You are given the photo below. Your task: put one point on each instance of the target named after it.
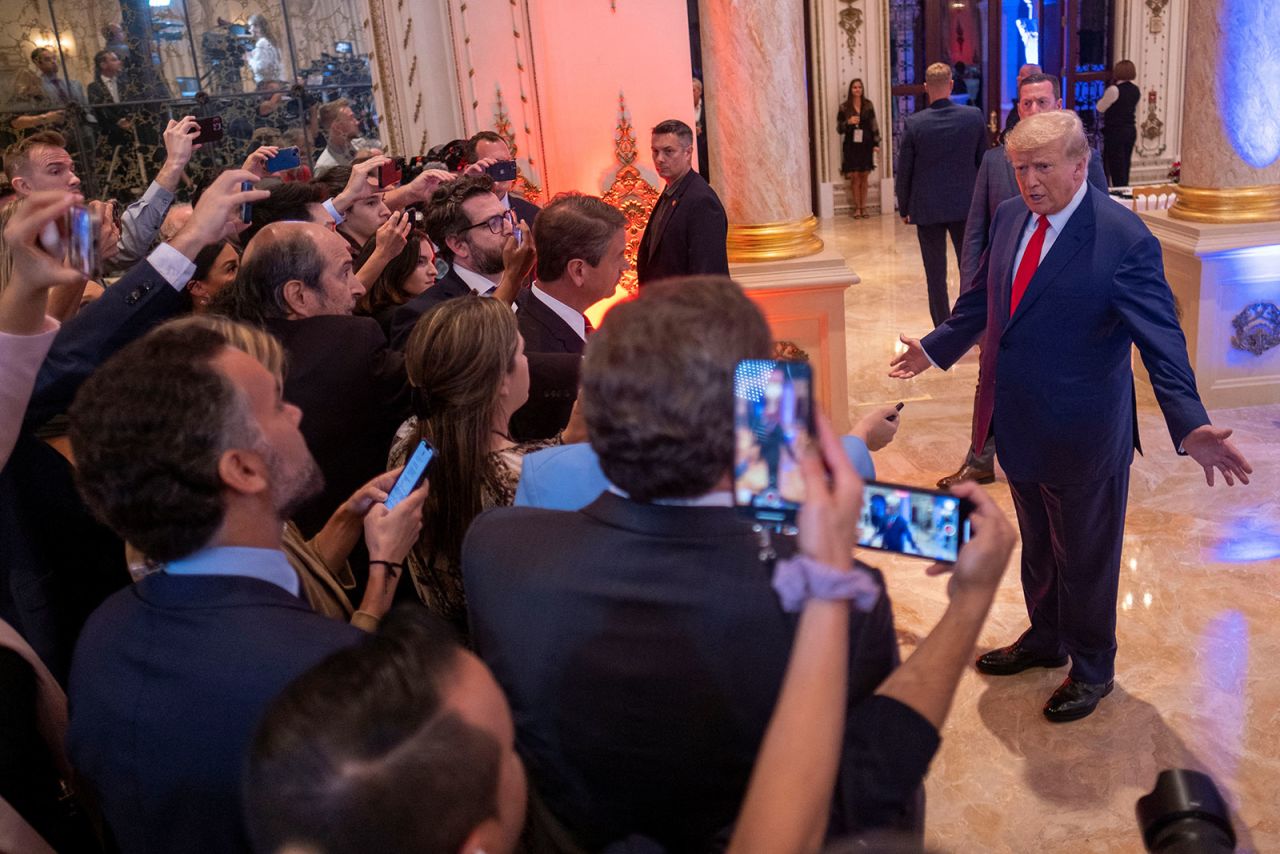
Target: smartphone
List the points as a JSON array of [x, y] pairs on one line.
[[896, 410], [288, 158], [388, 174], [414, 472], [210, 130], [772, 425], [416, 216], [503, 170], [81, 230], [912, 521], [246, 209]]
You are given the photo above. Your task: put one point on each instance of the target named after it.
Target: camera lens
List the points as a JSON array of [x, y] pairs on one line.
[[1185, 814]]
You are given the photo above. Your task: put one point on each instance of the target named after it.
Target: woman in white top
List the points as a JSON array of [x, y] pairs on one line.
[[264, 59]]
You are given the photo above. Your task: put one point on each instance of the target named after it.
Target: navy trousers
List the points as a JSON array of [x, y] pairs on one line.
[[1072, 537], [933, 252]]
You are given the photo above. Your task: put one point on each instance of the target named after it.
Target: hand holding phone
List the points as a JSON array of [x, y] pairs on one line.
[[982, 562], [389, 174], [501, 170], [210, 130], [286, 158]]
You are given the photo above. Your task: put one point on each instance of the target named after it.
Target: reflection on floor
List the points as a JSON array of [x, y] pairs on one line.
[[1198, 674]]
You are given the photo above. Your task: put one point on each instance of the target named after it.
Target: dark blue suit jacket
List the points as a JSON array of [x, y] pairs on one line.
[[169, 680], [996, 185], [938, 162], [1058, 373]]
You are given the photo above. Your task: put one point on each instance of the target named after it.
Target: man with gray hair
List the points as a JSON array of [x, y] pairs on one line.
[[1070, 283], [937, 166]]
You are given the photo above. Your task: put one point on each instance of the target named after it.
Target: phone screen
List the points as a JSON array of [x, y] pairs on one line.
[[772, 425], [413, 473], [288, 158], [911, 521], [82, 244]]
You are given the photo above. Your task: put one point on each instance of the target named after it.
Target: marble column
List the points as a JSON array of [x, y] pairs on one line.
[[1231, 125], [757, 125]]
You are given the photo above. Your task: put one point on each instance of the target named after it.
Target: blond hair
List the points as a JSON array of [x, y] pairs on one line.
[[937, 74], [261, 345], [1047, 128]]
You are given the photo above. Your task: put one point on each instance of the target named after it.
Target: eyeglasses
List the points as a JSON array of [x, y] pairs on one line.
[[494, 222]]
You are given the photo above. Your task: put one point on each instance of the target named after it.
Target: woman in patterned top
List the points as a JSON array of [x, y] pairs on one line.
[[466, 362]]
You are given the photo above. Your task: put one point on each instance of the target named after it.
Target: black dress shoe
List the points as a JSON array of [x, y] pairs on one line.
[[1074, 700], [968, 472], [1008, 660]]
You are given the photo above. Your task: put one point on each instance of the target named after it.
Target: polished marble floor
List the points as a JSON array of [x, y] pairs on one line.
[[1198, 673]]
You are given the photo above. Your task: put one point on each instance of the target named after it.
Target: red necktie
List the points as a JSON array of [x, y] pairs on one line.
[[1030, 261]]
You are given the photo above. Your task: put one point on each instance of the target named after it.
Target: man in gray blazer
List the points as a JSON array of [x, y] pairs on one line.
[[937, 167], [996, 184]]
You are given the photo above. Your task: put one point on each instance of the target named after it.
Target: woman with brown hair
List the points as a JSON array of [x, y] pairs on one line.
[[466, 363], [403, 278], [1118, 108], [857, 123]]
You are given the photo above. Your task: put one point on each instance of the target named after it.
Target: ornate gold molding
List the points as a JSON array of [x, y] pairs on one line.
[[629, 192], [385, 90], [774, 241], [1229, 204]]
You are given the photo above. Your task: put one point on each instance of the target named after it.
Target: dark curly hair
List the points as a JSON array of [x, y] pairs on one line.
[[445, 217], [657, 385], [148, 429]]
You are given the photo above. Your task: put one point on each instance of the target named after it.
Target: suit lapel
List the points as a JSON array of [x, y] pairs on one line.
[[1006, 251], [1076, 233], [554, 324], [674, 203]]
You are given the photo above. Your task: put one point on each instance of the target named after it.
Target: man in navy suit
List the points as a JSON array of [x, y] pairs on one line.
[[1070, 282], [171, 675], [687, 230], [937, 166], [996, 184]]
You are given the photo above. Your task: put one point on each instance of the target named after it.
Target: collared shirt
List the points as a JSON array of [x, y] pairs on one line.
[[1057, 222], [112, 87], [571, 316], [715, 498], [478, 283], [269, 565]]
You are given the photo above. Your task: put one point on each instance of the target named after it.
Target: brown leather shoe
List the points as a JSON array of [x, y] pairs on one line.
[[967, 472], [1008, 660], [1075, 700]]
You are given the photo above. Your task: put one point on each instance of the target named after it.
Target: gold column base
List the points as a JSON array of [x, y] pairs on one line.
[[774, 241], [1227, 204]]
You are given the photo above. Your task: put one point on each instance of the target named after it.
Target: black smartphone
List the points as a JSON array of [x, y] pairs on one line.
[[772, 426], [416, 216], [913, 521], [287, 158], [81, 230], [246, 209], [388, 174], [210, 130], [414, 472], [896, 410], [503, 170]]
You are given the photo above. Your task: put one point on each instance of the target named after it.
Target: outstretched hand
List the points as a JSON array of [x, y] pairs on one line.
[[1208, 446], [912, 363]]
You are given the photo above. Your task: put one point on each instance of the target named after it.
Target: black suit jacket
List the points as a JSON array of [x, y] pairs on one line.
[[406, 316], [554, 351], [692, 239], [108, 114], [169, 682], [57, 563], [353, 393], [523, 208], [642, 648], [938, 162]]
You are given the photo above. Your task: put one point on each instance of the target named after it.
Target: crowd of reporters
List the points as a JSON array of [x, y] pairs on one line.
[[197, 453]]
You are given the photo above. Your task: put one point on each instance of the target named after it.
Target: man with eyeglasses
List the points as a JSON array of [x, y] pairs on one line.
[[475, 235]]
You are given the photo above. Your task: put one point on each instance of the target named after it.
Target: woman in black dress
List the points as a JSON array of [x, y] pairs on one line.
[[857, 123]]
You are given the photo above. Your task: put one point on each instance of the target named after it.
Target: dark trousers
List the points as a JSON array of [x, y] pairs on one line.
[[1071, 542], [985, 458], [933, 251], [1117, 151]]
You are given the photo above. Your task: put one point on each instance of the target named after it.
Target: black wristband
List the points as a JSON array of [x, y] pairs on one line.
[[389, 564]]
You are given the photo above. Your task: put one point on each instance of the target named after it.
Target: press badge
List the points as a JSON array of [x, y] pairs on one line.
[[857, 135]]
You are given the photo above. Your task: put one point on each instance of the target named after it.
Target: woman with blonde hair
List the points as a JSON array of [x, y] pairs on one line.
[[466, 363]]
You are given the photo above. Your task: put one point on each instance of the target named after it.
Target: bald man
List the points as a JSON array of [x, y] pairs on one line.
[[296, 281]]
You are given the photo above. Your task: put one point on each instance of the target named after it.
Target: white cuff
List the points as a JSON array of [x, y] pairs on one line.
[[332, 210], [176, 268], [930, 358]]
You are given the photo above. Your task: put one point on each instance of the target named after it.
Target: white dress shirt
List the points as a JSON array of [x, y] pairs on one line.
[[569, 315], [479, 284]]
